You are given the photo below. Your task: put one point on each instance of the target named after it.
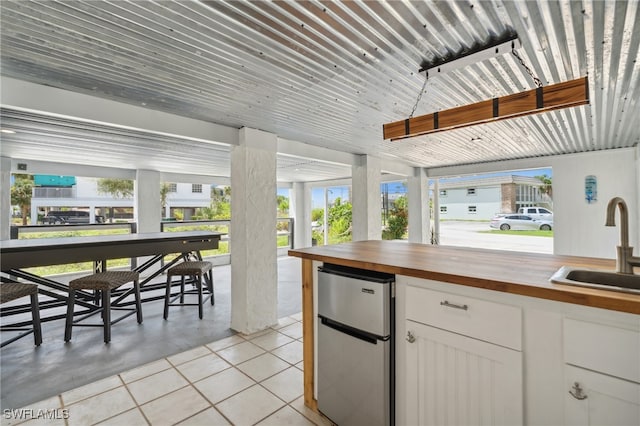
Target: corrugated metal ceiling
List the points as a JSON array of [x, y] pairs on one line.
[[330, 73]]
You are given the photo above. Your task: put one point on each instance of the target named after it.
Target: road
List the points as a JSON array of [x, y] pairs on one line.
[[466, 234]]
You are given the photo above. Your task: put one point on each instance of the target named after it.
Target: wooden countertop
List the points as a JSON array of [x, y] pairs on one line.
[[513, 272]]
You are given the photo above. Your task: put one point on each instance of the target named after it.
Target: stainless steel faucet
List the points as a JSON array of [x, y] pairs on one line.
[[625, 260]]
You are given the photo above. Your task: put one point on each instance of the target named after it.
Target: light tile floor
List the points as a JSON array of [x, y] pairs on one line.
[[239, 380]]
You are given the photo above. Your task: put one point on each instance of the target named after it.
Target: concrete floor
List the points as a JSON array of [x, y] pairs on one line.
[[30, 374]]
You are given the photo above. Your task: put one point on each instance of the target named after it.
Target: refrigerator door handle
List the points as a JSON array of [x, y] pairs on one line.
[[353, 332]]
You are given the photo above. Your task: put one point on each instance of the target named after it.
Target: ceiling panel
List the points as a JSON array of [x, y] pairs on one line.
[[326, 73]]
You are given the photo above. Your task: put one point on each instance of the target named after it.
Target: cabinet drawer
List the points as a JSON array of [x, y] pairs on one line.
[[480, 319], [604, 348]]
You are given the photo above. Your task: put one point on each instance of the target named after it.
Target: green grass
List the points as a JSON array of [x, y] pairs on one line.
[[70, 233], [531, 233]]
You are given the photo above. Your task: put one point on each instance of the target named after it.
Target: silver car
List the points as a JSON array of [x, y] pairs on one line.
[[520, 222]]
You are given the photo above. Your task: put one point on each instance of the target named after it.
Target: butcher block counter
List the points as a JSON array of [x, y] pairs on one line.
[[526, 274], [518, 273]]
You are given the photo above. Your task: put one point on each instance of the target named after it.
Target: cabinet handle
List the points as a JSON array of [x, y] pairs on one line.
[[454, 305], [410, 337], [577, 392]]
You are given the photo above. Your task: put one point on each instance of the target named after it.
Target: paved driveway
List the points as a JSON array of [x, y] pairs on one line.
[[455, 233]]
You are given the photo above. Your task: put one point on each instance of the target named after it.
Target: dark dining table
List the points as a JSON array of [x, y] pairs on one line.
[[18, 255]]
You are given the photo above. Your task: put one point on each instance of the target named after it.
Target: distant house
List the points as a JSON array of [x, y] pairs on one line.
[[81, 193], [482, 198]]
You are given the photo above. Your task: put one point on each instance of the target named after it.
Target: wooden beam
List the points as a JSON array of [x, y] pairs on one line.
[[307, 334], [562, 95]]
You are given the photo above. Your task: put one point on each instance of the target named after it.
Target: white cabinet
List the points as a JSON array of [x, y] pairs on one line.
[[598, 399], [602, 374], [455, 372], [488, 357], [456, 380]]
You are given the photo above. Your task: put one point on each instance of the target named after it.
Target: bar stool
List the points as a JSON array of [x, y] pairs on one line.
[[13, 291], [195, 269], [104, 282]]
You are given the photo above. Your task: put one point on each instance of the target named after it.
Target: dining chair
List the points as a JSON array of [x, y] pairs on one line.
[[104, 282], [12, 291], [197, 270]]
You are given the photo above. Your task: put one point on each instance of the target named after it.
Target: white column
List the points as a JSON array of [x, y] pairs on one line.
[[418, 206], [300, 208], [436, 209], [35, 207], [254, 269], [325, 218], [636, 208], [5, 198], [367, 221], [147, 205]]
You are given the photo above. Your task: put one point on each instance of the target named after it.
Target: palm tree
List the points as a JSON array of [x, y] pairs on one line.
[[164, 192], [546, 187], [118, 188], [21, 192]]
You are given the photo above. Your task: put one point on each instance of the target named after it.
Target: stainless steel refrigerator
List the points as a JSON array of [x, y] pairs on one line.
[[356, 375]]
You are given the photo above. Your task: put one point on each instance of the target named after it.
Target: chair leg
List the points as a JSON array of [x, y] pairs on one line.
[[167, 296], [106, 314], [182, 289], [69, 321], [35, 315], [210, 285], [136, 288], [199, 284]]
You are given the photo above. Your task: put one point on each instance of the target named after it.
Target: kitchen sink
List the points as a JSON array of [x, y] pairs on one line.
[[606, 280]]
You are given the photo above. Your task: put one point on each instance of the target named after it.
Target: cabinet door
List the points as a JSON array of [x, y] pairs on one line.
[[456, 380], [598, 399]]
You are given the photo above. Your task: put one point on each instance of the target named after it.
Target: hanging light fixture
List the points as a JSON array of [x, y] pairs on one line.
[[562, 95]]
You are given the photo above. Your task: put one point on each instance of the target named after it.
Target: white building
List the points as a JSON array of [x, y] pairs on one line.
[[482, 198], [182, 199]]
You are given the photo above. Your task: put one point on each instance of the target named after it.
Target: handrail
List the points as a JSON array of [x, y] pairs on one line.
[[290, 232], [16, 230]]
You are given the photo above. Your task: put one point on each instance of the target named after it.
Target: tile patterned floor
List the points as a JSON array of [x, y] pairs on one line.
[[239, 380]]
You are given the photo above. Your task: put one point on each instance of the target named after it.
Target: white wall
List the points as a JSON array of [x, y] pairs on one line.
[[579, 226], [486, 199], [185, 194]]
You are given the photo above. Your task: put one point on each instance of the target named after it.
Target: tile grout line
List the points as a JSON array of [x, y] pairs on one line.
[[191, 384]]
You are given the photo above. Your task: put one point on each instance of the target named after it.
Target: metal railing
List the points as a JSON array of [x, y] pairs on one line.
[[284, 227], [44, 192], [17, 230]]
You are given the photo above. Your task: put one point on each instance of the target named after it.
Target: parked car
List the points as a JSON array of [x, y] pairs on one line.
[[536, 212], [56, 217], [520, 222]]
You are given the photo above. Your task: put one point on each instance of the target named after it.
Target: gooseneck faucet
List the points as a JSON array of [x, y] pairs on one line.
[[625, 260]]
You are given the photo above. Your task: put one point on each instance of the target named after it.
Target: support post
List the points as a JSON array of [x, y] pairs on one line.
[[254, 268], [367, 223]]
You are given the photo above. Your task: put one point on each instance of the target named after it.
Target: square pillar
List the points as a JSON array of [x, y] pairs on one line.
[[147, 203], [419, 217], [300, 208], [367, 220], [254, 268], [5, 198]]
